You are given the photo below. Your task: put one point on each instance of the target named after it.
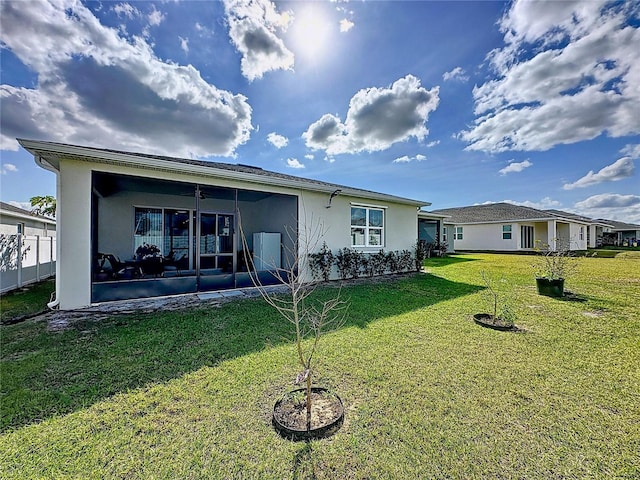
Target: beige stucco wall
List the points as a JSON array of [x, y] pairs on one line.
[[487, 236], [74, 220]]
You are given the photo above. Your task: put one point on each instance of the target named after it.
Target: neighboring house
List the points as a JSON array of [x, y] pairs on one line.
[[14, 220], [187, 214], [27, 247], [621, 234], [595, 231], [504, 227]]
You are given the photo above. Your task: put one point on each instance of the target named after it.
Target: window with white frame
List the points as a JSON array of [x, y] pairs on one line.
[[367, 226], [581, 233], [506, 232], [20, 228], [457, 235], [444, 234]]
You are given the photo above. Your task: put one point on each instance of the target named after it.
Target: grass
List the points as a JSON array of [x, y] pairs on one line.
[[428, 394], [26, 301]]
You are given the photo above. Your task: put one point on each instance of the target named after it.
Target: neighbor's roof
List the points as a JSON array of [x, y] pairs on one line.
[[7, 208], [500, 212], [49, 154], [619, 225], [581, 218]]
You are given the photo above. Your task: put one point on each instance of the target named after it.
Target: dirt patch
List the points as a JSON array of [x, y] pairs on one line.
[[326, 408]]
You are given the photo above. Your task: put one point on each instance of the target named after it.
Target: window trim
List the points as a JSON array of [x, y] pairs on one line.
[[507, 234], [458, 233], [366, 227]]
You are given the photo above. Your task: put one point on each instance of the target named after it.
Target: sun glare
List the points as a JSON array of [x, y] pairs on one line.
[[311, 32]]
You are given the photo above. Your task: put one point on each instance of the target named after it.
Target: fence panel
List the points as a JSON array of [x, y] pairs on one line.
[[25, 259]]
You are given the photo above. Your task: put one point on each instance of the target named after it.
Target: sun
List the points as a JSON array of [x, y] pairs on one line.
[[310, 32]]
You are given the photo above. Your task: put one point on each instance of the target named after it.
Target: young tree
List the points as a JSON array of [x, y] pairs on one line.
[[309, 315], [44, 205]]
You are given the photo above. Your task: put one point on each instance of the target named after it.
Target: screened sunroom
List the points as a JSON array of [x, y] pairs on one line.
[[155, 237]]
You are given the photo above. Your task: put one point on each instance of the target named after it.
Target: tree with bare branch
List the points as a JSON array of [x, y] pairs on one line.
[[309, 315]]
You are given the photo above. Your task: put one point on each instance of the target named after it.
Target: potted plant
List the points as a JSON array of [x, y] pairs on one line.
[[311, 411], [553, 267], [503, 314]]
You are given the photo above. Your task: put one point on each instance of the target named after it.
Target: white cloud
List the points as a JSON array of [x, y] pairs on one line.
[[155, 17], [294, 163], [346, 25], [543, 204], [99, 89], [253, 27], [277, 141], [126, 10], [620, 169], [614, 206], [8, 168], [568, 72], [457, 73], [515, 167], [309, 156], [407, 159], [609, 200], [433, 144], [631, 150], [184, 44], [377, 118]]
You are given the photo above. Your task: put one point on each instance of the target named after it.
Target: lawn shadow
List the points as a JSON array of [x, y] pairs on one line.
[[51, 373], [449, 259], [303, 464]]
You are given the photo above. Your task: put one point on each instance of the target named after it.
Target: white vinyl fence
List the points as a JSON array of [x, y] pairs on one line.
[[25, 259]]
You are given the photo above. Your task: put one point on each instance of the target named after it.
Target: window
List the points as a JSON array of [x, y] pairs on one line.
[[367, 227], [444, 234], [148, 227], [506, 232], [526, 236], [457, 235], [581, 233], [20, 228]]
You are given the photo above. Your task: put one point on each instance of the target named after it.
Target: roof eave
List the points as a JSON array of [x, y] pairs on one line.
[[44, 151]]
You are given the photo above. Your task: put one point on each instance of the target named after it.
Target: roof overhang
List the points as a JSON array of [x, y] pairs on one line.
[[26, 216], [49, 154]]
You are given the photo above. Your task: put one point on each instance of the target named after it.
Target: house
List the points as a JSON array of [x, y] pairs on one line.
[[504, 227], [595, 231], [621, 234], [432, 229], [134, 225], [15, 220], [27, 247]]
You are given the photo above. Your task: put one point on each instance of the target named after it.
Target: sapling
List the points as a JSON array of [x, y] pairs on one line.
[[502, 303], [309, 315]]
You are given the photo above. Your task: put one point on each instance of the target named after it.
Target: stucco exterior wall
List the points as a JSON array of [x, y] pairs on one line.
[[116, 214], [487, 236], [73, 288], [9, 225]]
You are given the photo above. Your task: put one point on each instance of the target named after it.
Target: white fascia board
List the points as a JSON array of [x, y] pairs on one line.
[[45, 149]]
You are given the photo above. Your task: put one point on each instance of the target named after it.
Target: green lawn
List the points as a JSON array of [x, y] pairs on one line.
[[26, 301], [428, 393]]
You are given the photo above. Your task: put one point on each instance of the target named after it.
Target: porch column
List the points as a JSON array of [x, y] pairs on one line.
[[551, 234], [73, 266]]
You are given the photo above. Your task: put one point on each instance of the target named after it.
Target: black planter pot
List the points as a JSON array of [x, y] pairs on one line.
[[321, 431], [550, 288]]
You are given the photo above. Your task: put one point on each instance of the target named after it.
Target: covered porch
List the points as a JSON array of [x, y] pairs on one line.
[[153, 237]]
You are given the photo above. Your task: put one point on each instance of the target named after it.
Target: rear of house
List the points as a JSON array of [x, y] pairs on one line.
[[133, 225]]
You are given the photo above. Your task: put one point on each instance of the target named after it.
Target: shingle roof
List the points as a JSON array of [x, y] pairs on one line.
[[493, 212], [619, 225], [7, 207], [52, 149]]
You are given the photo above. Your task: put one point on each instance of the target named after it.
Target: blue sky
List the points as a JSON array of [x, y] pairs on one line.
[[455, 103]]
